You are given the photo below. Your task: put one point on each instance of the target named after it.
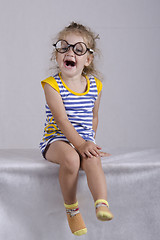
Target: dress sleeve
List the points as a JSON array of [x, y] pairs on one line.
[[52, 82], [99, 85]]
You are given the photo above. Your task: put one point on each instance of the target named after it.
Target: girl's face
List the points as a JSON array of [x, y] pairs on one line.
[[70, 64]]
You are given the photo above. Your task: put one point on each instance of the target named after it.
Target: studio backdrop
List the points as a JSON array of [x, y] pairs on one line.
[[129, 33]]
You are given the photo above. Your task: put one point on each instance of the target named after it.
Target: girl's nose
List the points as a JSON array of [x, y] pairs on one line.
[[70, 50]]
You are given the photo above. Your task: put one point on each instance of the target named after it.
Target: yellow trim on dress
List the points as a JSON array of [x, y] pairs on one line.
[[52, 82], [75, 93], [99, 85]]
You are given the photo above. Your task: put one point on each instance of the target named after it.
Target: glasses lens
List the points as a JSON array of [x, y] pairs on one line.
[[80, 48], [62, 46]]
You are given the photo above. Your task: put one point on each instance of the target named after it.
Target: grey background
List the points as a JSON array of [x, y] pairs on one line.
[[130, 35]]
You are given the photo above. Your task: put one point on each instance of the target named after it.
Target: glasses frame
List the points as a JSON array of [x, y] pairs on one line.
[[73, 46]]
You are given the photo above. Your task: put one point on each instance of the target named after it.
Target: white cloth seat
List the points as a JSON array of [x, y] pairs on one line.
[[31, 204]]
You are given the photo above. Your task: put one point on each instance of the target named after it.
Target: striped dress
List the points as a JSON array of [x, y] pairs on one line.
[[78, 106]]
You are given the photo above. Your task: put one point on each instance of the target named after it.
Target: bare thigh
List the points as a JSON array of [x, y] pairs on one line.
[[58, 151]]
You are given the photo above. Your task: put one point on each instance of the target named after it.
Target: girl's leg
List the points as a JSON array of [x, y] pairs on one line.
[[95, 177], [97, 185], [62, 153]]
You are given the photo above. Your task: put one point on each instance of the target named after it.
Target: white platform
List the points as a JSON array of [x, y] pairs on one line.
[[31, 205]]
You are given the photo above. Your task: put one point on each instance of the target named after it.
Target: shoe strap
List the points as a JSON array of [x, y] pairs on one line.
[[101, 205], [72, 212]]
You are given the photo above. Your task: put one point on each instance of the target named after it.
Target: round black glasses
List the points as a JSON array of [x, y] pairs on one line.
[[79, 48]]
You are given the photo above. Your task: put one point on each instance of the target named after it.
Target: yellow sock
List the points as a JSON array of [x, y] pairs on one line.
[[102, 210], [75, 219]]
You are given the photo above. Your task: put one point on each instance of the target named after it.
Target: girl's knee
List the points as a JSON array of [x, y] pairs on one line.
[[71, 162], [90, 162]]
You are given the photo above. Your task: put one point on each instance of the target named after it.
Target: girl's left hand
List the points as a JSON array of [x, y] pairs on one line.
[[89, 149]]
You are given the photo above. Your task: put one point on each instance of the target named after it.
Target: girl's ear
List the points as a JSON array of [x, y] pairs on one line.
[[89, 59]]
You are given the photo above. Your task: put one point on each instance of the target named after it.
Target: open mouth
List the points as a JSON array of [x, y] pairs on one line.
[[70, 63]]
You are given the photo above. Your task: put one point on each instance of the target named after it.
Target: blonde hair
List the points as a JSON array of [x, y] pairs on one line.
[[90, 39]]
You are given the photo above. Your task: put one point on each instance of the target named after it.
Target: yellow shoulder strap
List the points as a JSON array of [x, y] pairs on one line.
[[99, 85], [52, 82]]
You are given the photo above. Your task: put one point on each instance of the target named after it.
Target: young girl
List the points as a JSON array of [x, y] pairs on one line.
[[73, 97]]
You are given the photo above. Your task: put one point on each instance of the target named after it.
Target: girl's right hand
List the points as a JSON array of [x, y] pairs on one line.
[[89, 149]]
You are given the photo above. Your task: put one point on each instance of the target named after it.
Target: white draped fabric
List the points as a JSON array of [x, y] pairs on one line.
[[31, 204]]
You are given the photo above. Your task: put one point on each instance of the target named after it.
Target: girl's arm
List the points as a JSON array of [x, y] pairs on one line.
[[95, 121], [95, 113], [57, 108]]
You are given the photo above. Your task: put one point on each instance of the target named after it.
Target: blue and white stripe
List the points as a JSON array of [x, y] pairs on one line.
[[79, 109]]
